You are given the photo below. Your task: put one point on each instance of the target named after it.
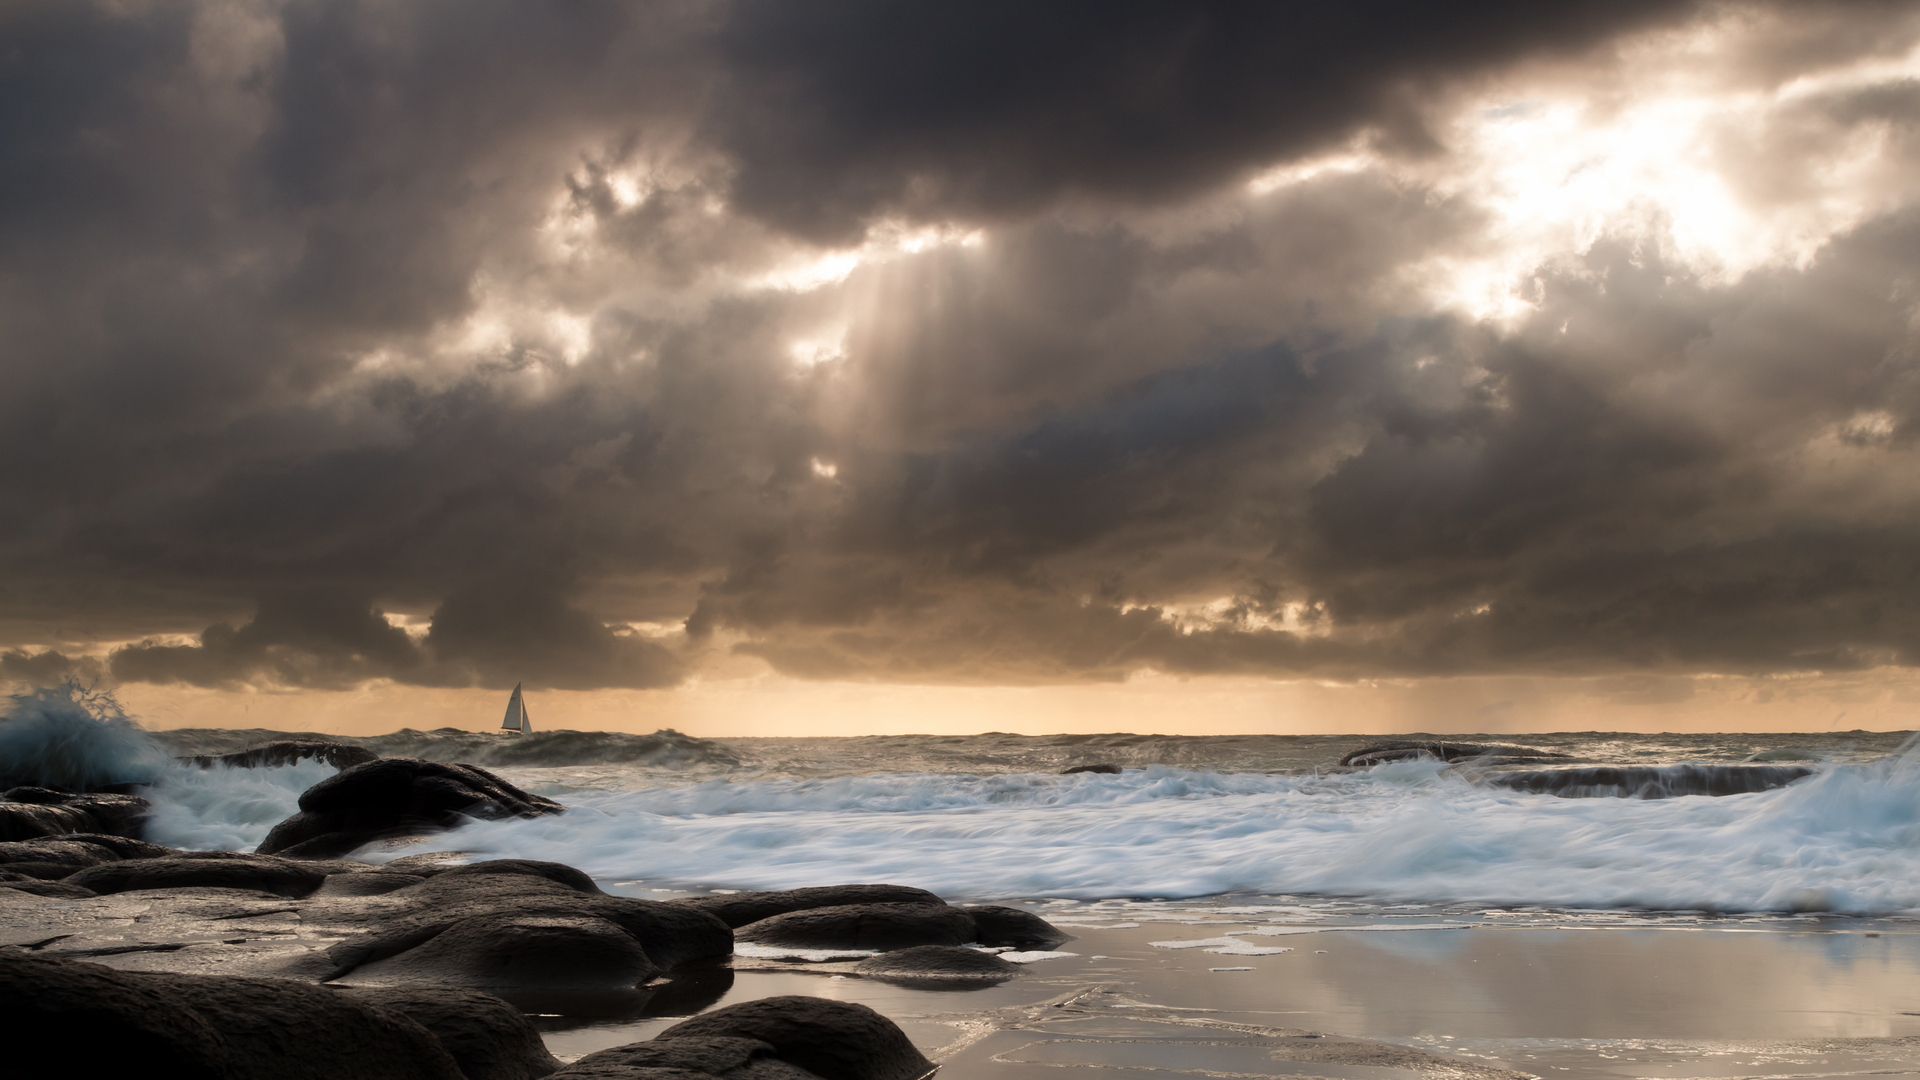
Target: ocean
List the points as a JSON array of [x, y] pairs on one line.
[[1277, 818], [1595, 906]]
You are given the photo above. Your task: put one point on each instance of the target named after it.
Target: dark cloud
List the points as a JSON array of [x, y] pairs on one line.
[[844, 110], [512, 319]]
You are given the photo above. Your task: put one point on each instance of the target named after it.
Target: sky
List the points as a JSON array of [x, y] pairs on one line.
[[861, 366]]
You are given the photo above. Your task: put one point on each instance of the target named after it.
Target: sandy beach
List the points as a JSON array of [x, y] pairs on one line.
[[1454, 992]]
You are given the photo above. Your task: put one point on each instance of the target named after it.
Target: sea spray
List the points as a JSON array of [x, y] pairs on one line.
[[223, 808], [74, 738]]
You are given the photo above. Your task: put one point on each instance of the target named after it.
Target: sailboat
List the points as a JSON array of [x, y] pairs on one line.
[[517, 719]]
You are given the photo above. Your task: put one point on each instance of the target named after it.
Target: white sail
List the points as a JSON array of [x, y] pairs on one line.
[[517, 719]]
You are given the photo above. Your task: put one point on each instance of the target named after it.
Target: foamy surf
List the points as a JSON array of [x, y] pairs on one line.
[[1845, 839], [1841, 836]]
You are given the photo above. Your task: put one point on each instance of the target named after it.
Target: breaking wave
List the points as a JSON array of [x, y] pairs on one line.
[[75, 739], [1845, 838]]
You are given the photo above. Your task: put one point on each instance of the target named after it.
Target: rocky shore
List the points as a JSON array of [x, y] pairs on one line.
[[292, 961]]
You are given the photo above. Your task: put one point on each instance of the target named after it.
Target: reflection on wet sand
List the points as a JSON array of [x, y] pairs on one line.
[[1455, 994]]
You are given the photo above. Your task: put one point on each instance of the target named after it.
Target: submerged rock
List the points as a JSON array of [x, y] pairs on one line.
[[739, 909], [863, 926], [1103, 768], [938, 966], [392, 797], [900, 925], [1379, 753], [288, 752], [1649, 781]]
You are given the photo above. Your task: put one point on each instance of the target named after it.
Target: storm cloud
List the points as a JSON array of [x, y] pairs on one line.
[[585, 344]]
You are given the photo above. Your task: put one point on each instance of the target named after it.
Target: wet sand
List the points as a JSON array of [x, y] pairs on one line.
[[1460, 993]]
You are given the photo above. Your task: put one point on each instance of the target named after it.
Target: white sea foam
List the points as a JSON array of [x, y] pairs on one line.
[[225, 808], [1844, 839]]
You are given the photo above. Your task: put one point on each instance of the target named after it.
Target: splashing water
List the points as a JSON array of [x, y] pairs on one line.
[[76, 738]]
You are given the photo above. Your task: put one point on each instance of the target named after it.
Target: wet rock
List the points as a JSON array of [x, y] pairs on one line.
[[739, 909], [863, 926], [428, 863], [1103, 768], [38, 887], [105, 846], [30, 812], [506, 925], [686, 1059], [838, 1040], [1402, 750], [260, 873], [392, 797], [288, 752], [558, 873], [524, 952], [207, 1026], [938, 966], [996, 925], [1649, 782], [488, 1038], [372, 883]]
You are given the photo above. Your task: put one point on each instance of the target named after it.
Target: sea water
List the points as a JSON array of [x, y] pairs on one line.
[[991, 817]]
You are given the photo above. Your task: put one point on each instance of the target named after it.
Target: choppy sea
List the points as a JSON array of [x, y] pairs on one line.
[[1272, 818]]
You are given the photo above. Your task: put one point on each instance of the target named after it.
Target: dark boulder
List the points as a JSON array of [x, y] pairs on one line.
[[30, 812], [508, 919], [261, 873], [518, 952], [58, 1008], [392, 797], [686, 1059], [1103, 768], [938, 966], [288, 752], [996, 925], [488, 1038], [739, 909], [863, 926], [838, 1040], [197, 1026], [1403, 750]]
